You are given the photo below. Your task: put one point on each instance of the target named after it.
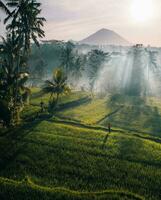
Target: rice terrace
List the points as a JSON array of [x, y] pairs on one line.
[[80, 119]]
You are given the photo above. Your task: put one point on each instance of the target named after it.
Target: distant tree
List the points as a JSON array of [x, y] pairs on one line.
[[38, 72], [67, 56], [96, 58], [135, 87], [79, 62], [56, 87]]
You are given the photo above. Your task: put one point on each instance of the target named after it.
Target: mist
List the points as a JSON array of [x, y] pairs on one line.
[[134, 71]]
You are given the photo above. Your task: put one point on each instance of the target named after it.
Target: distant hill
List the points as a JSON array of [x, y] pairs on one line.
[[105, 37]]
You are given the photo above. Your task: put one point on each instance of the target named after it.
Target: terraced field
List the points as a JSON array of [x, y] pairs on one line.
[[71, 155]]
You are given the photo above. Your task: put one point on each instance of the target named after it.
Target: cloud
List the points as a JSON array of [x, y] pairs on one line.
[[76, 19]]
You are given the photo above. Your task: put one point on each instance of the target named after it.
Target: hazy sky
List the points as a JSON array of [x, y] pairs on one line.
[[139, 21]]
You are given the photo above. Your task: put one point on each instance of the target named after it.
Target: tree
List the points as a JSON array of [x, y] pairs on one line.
[[67, 56], [11, 81], [96, 58], [4, 7], [38, 71], [58, 86], [25, 22], [24, 25], [78, 66]]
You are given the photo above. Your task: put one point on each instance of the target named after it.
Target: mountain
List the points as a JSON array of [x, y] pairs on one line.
[[105, 37]]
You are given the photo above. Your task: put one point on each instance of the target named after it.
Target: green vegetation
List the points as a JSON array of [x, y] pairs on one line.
[[23, 23], [57, 87], [72, 155], [27, 188], [63, 148], [96, 59]]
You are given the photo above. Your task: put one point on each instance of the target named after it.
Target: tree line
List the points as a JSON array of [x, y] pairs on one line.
[[23, 23]]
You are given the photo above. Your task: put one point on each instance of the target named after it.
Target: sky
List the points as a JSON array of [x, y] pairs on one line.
[[138, 21]]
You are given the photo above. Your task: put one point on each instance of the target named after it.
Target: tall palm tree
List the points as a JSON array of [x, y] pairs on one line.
[[23, 25], [58, 86], [4, 7], [12, 84], [25, 21], [67, 56], [78, 66], [96, 58], [26, 25]]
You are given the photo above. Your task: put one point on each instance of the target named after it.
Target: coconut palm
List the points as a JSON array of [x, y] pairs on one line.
[[58, 86], [23, 25], [12, 84], [4, 7], [96, 58], [78, 66], [67, 56], [25, 21]]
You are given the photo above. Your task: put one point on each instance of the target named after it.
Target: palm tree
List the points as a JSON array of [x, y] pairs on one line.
[[12, 84], [67, 56], [23, 25], [25, 21], [78, 66], [96, 58], [26, 25], [3, 7], [58, 86]]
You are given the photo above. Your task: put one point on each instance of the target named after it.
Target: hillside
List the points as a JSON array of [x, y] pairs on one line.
[[105, 37], [71, 155]]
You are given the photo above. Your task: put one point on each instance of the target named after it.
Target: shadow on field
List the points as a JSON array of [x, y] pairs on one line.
[[38, 94], [72, 104], [12, 142], [132, 113], [105, 140], [127, 148], [132, 150], [154, 121]]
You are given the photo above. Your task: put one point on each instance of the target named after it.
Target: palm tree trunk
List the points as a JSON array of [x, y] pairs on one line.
[[57, 98]]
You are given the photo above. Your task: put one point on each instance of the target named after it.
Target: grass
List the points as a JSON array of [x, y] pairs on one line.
[[38, 96], [89, 113], [143, 115], [74, 156], [24, 189]]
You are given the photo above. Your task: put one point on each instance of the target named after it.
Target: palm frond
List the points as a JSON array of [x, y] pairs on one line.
[[4, 8]]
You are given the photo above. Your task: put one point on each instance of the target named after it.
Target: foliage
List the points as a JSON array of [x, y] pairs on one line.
[[5, 113], [4, 7], [12, 83], [56, 87], [38, 72], [96, 59], [67, 56], [25, 188], [67, 153], [79, 63], [23, 24], [55, 154]]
